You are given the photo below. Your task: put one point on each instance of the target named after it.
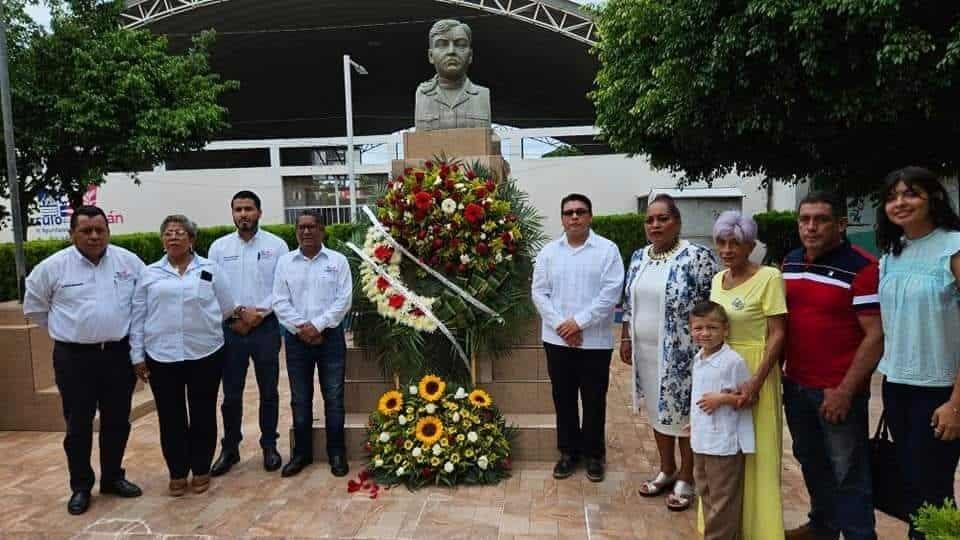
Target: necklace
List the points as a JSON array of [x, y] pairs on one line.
[[664, 255]]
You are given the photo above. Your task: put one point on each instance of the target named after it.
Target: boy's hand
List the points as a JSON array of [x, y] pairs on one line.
[[711, 401]]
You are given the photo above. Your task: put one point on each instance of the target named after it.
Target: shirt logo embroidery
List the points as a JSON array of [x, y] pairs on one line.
[[738, 304], [266, 253], [123, 275]]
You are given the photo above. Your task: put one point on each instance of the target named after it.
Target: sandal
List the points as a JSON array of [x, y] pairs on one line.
[[681, 497], [656, 487]]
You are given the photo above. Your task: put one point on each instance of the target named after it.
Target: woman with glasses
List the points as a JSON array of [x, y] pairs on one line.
[[176, 343], [665, 280]]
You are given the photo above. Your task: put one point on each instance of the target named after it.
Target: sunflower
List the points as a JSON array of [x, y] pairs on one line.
[[390, 403], [429, 430], [432, 387], [479, 398]]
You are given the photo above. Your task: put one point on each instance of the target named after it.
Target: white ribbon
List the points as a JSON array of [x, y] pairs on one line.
[[413, 298], [446, 282]]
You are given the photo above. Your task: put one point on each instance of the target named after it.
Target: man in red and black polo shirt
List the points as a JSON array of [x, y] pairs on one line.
[[834, 341]]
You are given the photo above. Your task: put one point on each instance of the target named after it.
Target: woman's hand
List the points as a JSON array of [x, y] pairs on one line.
[[749, 392], [142, 371], [626, 351], [946, 422]]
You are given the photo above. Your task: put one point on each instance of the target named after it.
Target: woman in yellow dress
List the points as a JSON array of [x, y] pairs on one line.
[[753, 296]]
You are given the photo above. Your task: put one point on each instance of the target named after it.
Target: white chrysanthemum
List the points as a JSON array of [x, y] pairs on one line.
[[408, 215], [461, 393], [460, 206], [458, 185], [417, 452], [499, 258], [437, 449], [396, 257], [483, 236], [465, 259], [401, 471], [378, 462], [431, 408], [448, 467], [449, 206], [456, 417], [472, 436], [483, 462], [384, 436], [402, 420], [413, 390]]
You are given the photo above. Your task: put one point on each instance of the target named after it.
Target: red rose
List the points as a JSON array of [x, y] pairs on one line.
[[437, 243], [434, 261], [482, 249], [473, 213], [427, 472], [428, 164], [444, 172], [423, 201], [449, 184], [396, 302], [462, 268], [471, 175], [506, 237], [448, 268], [416, 312], [418, 214], [415, 189], [454, 167], [491, 186], [455, 243], [398, 443], [383, 252], [456, 197], [512, 248], [382, 284], [511, 218], [407, 171], [481, 192], [419, 176], [437, 194]]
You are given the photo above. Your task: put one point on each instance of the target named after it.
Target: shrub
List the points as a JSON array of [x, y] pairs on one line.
[[778, 230], [625, 230], [146, 245], [938, 522]]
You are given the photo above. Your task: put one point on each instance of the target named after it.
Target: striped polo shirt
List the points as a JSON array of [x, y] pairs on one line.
[[825, 297]]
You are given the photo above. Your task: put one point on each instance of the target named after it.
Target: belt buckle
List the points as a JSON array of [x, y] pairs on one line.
[[103, 345]]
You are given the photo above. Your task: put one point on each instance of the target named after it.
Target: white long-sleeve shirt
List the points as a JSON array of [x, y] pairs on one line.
[[177, 318], [250, 266], [583, 283], [728, 430], [317, 290], [81, 302]]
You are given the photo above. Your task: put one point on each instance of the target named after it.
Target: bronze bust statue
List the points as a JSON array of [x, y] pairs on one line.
[[450, 99]]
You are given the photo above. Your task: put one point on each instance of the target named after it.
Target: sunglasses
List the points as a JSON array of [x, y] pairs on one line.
[[575, 212]]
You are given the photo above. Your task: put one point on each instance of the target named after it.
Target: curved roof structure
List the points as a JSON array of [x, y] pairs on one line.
[[287, 54]]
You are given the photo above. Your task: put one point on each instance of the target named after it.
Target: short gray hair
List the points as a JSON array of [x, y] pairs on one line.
[[181, 220], [445, 25], [733, 224]]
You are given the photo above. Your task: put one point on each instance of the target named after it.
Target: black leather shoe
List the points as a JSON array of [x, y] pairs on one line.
[[223, 464], [339, 466], [595, 470], [295, 465], [564, 468], [79, 502], [121, 488], [271, 459]]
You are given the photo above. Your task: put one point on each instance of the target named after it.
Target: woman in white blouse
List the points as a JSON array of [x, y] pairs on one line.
[[176, 343]]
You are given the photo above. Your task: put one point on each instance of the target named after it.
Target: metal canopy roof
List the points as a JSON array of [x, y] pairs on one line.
[[533, 55]]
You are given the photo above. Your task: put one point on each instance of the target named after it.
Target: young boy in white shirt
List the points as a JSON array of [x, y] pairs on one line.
[[720, 432]]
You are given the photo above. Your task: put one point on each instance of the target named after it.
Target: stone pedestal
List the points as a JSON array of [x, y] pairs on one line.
[[29, 399], [466, 145]]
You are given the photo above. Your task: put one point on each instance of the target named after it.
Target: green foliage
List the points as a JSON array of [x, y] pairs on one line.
[[939, 522], [831, 90], [563, 151], [90, 97], [146, 245], [778, 230], [624, 230]]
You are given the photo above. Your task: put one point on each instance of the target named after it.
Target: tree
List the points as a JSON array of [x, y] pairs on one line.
[[90, 97], [564, 150], [837, 91]]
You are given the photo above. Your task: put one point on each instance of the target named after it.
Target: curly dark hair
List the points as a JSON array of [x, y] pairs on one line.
[[890, 235]]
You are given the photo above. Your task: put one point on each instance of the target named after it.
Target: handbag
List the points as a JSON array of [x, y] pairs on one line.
[[888, 494]]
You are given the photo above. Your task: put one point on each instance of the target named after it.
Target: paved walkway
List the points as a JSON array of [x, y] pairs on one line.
[[250, 503]]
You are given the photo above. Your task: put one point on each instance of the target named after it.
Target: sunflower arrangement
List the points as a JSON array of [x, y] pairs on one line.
[[431, 436]]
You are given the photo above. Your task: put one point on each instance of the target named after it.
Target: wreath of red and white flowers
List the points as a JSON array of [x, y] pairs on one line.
[[401, 306]]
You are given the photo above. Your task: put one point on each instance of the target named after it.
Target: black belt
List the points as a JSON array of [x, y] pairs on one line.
[[102, 346]]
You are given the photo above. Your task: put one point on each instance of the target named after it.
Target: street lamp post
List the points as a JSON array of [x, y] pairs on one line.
[[348, 97], [11, 150]]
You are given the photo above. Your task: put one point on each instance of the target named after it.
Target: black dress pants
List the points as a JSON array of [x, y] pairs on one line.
[[582, 374], [92, 377], [186, 397]]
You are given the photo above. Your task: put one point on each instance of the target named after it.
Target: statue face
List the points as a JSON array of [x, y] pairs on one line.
[[451, 54]]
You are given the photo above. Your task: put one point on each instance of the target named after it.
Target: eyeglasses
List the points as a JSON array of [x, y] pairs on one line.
[[174, 233], [575, 212]]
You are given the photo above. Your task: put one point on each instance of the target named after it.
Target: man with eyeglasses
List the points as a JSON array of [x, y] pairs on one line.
[[249, 258], [82, 296], [312, 292], [577, 281]]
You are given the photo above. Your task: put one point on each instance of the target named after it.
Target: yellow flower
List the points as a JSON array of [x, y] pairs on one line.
[[432, 387], [397, 459], [455, 458], [479, 398], [459, 437], [444, 442], [429, 430], [390, 403], [435, 462], [408, 445], [468, 452]]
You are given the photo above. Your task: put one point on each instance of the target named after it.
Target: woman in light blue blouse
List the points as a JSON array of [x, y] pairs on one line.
[[918, 233]]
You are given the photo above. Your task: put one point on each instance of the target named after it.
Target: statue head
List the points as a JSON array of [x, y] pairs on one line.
[[450, 49]]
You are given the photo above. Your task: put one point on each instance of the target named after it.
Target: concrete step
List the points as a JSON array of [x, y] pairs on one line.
[[141, 404], [535, 441]]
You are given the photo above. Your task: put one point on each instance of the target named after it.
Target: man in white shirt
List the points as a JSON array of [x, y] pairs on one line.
[[312, 292], [576, 285], [82, 296], [249, 258]]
